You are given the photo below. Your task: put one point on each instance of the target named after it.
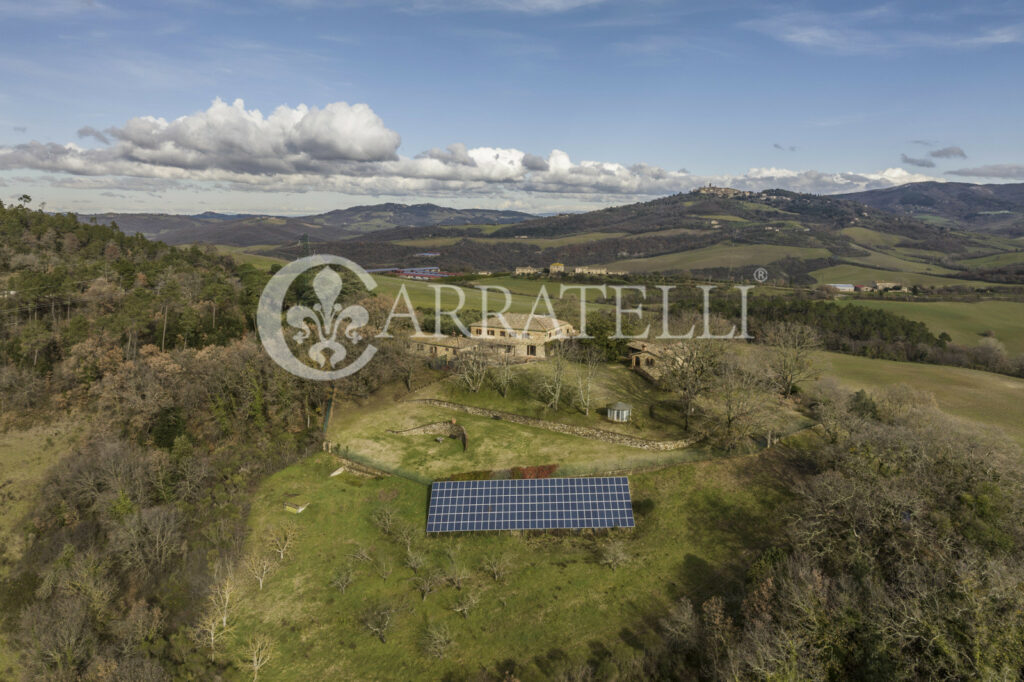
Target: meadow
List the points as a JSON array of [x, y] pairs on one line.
[[966, 323], [717, 256]]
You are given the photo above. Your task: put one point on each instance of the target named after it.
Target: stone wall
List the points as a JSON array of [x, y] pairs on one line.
[[449, 429], [559, 427]]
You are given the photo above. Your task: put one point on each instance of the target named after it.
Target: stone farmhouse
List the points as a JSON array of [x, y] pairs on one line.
[[518, 334]]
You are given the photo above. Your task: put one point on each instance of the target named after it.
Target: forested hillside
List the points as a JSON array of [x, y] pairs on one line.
[[176, 413]]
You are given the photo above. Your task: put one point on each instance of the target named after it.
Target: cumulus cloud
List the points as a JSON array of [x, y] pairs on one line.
[[348, 149], [999, 170], [921, 163], [948, 153]]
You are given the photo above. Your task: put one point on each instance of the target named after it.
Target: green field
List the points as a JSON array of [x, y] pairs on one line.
[[996, 260], [718, 256], [991, 399], [863, 235], [889, 262], [855, 274], [965, 322], [251, 255], [556, 607]]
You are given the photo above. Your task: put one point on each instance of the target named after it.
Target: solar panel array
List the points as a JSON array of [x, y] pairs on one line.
[[523, 504]]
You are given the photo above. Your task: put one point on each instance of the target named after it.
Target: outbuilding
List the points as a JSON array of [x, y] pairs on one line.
[[619, 412]]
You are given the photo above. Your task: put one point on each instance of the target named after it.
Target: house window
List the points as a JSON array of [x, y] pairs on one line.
[[531, 350], [503, 333], [490, 332]]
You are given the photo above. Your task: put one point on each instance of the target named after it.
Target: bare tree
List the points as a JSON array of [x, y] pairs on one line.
[[427, 583], [503, 374], [690, 370], [790, 359], [466, 603], [457, 575], [471, 369], [613, 554], [222, 597], [259, 566], [414, 560], [554, 381], [405, 533], [259, 652], [343, 578], [437, 639], [497, 565], [208, 631], [384, 518], [739, 405], [281, 538], [589, 360], [361, 554], [378, 618], [681, 624], [384, 567]]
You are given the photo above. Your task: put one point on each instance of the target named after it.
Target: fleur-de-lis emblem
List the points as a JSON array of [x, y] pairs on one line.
[[326, 318]]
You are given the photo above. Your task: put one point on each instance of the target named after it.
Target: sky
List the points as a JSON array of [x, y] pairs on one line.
[[302, 106]]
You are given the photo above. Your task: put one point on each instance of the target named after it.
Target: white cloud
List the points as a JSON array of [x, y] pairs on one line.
[[347, 149]]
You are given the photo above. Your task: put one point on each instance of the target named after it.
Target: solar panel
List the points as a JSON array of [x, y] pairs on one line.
[[524, 504]]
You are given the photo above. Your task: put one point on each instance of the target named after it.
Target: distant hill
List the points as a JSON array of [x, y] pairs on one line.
[[250, 230], [992, 207], [716, 233]]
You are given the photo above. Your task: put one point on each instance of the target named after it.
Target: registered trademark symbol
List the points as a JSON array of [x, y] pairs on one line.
[[761, 275]]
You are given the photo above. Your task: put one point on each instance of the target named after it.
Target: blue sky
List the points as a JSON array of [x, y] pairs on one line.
[[531, 104]]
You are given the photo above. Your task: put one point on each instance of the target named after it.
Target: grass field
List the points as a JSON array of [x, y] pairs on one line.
[[718, 256], [874, 238], [855, 274], [996, 260], [890, 262], [556, 607], [990, 399], [965, 322], [251, 255]]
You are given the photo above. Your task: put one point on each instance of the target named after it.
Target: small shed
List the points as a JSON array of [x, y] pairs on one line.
[[619, 412]]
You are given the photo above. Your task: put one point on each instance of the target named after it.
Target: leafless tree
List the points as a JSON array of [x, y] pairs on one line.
[[427, 583], [361, 554], [259, 652], [414, 560], [457, 575], [378, 618], [503, 374], [437, 639], [497, 565], [552, 385], [588, 360], [613, 554], [738, 405], [690, 370], [405, 533], [471, 369], [343, 578], [790, 359], [466, 602], [384, 518], [681, 624], [259, 566], [281, 538], [384, 567], [208, 631], [222, 597]]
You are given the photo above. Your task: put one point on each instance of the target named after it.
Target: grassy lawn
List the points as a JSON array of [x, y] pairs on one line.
[[855, 274], [965, 322], [251, 255], [991, 399], [696, 525], [25, 457], [718, 256]]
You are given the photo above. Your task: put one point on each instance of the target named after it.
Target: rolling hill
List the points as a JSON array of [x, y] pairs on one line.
[[250, 230], [992, 207], [711, 232]]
